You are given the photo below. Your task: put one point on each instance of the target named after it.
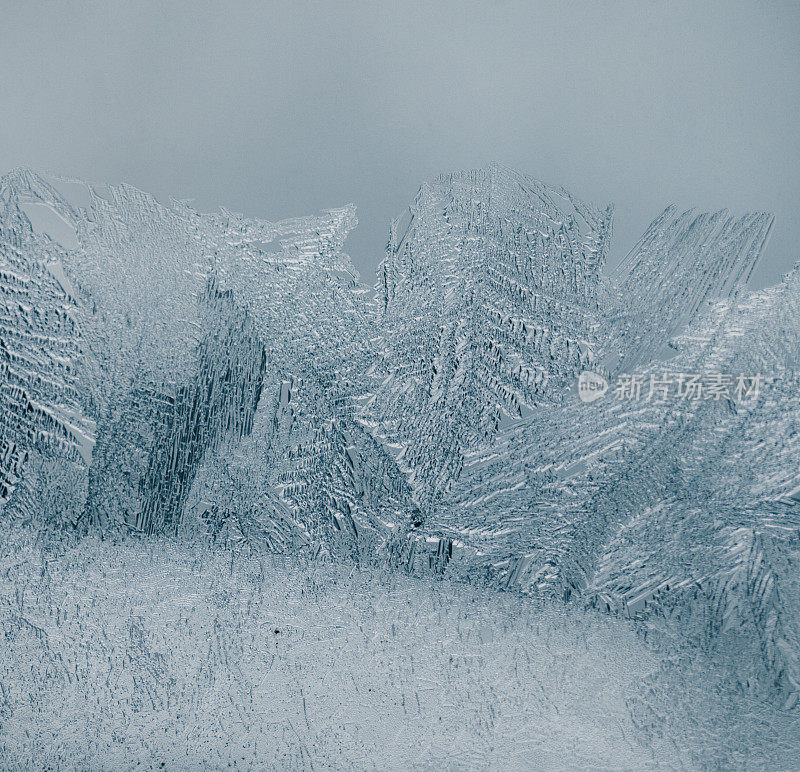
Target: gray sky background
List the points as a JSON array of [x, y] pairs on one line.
[[280, 109]]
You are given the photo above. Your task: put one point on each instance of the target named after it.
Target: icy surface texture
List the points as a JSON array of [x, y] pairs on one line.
[[166, 369], [148, 652], [40, 346], [490, 294], [183, 333], [681, 263], [725, 484]]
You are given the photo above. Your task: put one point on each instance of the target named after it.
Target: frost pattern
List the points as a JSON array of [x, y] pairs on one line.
[[489, 288], [40, 344], [166, 369]]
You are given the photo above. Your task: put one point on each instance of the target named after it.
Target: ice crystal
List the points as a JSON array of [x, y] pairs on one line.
[[164, 369]]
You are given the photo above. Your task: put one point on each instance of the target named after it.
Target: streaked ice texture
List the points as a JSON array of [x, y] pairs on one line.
[[165, 370]]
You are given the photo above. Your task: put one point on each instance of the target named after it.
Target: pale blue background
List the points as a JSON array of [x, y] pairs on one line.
[[279, 109]]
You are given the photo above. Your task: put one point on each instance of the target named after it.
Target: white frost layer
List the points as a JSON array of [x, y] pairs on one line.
[[149, 652]]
